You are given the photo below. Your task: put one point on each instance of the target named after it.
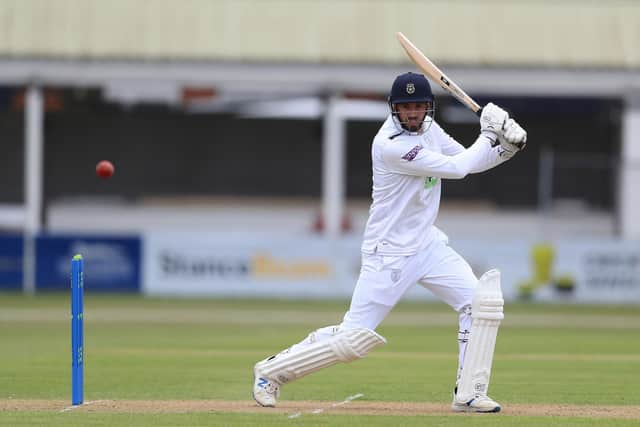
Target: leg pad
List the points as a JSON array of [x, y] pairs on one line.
[[487, 313], [344, 346]]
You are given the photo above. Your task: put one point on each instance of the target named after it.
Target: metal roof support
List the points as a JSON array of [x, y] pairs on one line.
[[34, 115]]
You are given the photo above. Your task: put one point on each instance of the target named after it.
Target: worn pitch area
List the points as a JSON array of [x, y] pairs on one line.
[[308, 407]]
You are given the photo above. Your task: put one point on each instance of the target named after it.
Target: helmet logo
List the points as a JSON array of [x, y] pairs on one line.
[[411, 88]]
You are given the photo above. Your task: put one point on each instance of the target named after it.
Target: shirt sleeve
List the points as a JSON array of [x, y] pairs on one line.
[[451, 147], [499, 156], [404, 158], [448, 144]]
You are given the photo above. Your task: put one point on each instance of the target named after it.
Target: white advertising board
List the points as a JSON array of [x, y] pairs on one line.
[[264, 265], [247, 265], [593, 271]]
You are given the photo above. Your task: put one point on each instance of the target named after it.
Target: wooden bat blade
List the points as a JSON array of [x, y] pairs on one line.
[[429, 69]]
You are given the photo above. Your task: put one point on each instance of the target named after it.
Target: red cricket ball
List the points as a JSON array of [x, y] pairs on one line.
[[104, 169]]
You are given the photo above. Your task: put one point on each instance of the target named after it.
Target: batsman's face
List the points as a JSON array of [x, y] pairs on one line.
[[412, 114]]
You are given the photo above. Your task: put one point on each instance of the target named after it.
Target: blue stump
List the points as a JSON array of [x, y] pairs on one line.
[[77, 331]]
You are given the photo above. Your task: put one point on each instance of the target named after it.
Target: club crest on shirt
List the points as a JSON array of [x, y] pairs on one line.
[[412, 153]]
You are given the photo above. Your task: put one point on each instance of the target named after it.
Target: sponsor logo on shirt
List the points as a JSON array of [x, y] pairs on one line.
[[430, 181], [412, 153]]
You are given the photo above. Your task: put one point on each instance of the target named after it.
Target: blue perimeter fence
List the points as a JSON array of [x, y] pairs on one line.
[[113, 262]]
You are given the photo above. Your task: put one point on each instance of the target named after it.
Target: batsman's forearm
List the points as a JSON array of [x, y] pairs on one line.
[[492, 158], [478, 156]]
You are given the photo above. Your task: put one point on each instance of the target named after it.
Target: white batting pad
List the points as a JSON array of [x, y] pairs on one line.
[[487, 312], [344, 346]]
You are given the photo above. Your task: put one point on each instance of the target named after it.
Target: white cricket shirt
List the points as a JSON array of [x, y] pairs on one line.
[[407, 172]]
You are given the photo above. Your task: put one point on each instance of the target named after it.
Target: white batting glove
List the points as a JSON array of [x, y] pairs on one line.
[[492, 120], [513, 137]]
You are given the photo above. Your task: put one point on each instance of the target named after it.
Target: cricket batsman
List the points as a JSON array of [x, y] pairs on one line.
[[411, 155]]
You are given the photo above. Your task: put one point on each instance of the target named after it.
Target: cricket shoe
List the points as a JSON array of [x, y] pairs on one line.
[[265, 390], [480, 403]]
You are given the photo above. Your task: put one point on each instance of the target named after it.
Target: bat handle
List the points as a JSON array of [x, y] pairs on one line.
[[479, 113]]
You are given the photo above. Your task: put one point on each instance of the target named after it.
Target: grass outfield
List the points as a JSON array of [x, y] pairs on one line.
[[189, 362]]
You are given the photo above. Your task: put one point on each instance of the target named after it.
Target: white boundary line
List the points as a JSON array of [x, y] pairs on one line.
[[321, 410], [70, 408]]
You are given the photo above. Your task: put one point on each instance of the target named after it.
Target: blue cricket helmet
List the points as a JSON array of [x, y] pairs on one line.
[[410, 87]]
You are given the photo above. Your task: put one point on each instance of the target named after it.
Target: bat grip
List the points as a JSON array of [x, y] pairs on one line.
[[479, 112]]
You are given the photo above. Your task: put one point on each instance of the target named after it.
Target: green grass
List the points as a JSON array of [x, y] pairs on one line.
[[163, 349]]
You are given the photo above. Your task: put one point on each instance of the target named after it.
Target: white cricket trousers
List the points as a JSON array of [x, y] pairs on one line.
[[385, 279]]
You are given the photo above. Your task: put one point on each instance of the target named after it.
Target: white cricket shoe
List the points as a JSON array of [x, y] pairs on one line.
[[480, 403], [265, 390]]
